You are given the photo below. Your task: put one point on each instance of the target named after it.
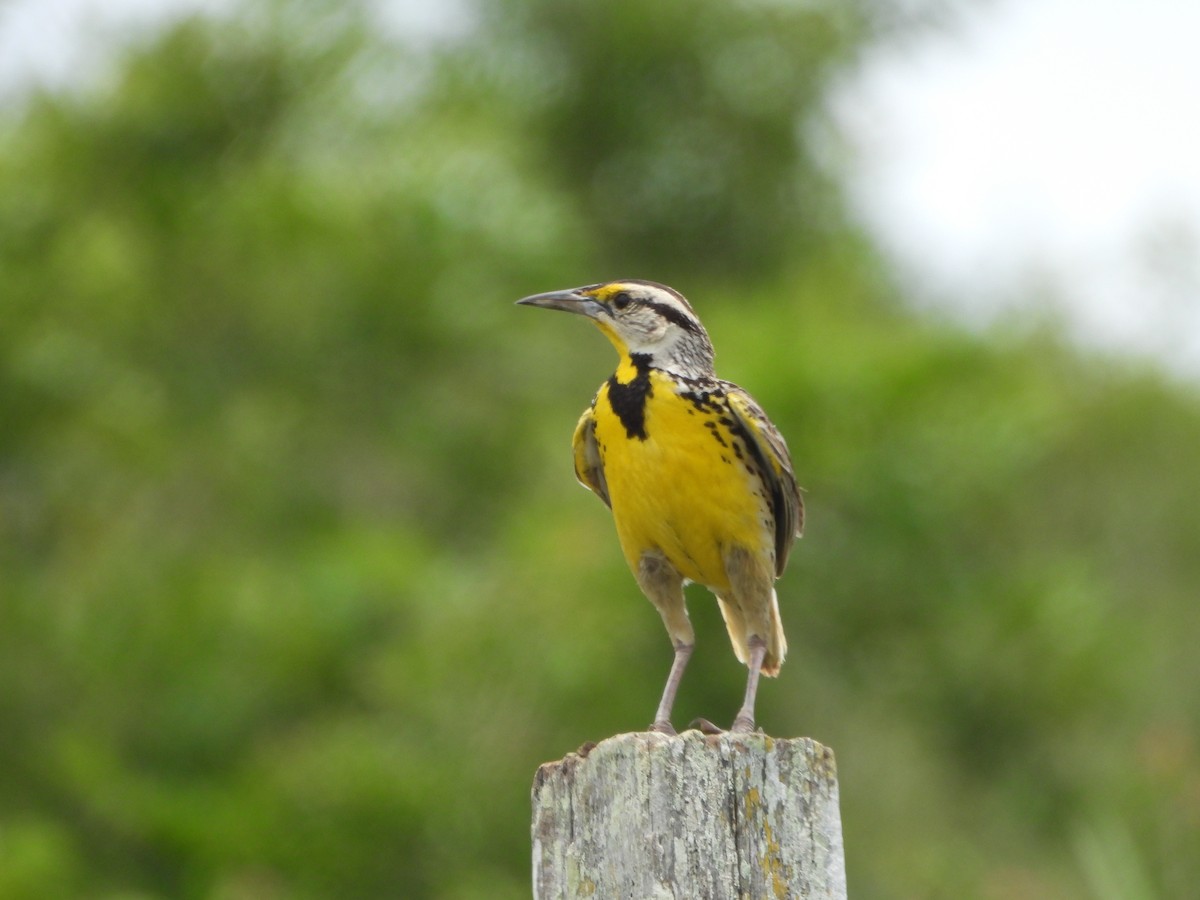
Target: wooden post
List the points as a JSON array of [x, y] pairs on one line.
[[729, 816]]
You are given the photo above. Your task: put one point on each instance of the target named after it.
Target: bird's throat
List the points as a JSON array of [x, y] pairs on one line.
[[628, 390]]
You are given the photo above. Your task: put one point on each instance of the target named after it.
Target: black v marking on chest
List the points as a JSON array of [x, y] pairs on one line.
[[628, 399]]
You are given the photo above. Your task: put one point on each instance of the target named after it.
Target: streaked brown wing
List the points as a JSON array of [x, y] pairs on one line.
[[771, 452], [588, 467]]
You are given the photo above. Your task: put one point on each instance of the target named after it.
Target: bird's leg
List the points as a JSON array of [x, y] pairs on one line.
[[745, 717], [660, 582], [662, 718]]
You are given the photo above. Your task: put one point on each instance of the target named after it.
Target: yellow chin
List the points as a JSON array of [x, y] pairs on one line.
[[615, 338]]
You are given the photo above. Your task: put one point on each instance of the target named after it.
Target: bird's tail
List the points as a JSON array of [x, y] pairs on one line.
[[735, 622]]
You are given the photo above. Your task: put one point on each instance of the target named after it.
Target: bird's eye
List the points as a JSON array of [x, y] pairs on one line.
[[621, 300]]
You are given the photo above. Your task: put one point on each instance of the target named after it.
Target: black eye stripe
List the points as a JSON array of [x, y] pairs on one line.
[[674, 315], [623, 300]]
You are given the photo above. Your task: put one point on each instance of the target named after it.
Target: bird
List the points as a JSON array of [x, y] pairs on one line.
[[699, 481]]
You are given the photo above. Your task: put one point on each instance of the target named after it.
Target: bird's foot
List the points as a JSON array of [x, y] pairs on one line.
[[742, 725], [662, 726]]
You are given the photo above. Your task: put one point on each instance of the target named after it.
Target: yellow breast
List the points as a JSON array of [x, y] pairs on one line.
[[684, 487]]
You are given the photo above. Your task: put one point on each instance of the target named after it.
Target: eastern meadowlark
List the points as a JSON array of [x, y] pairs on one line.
[[699, 481]]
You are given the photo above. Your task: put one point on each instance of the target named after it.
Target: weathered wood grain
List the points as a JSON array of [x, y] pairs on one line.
[[695, 816]]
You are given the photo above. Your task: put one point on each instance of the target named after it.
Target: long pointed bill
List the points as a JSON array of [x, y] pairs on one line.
[[568, 301]]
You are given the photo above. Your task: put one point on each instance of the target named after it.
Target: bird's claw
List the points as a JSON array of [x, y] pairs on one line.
[[742, 725]]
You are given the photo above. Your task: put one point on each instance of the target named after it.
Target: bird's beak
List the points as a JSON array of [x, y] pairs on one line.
[[572, 301]]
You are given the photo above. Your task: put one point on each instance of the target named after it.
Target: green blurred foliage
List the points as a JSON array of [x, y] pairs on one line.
[[298, 589]]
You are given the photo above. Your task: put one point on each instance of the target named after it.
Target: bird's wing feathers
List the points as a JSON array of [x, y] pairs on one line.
[[588, 467], [770, 449]]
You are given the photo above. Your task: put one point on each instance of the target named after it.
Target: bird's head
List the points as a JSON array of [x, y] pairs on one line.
[[641, 318]]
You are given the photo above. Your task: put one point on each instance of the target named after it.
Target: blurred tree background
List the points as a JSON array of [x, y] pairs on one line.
[[297, 588]]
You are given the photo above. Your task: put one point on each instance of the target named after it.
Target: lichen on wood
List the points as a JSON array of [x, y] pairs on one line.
[[694, 816]]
